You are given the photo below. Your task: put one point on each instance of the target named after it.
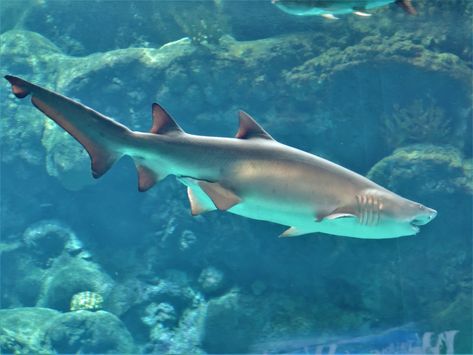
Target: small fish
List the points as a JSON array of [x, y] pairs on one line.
[[251, 175], [330, 8]]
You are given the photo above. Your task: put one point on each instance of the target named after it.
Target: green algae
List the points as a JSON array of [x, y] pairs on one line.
[[453, 172], [421, 122]]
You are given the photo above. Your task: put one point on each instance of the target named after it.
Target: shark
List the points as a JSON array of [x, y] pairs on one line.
[[251, 174], [330, 8]]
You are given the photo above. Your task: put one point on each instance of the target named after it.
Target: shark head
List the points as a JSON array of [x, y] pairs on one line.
[[379, 213], [405, 216]]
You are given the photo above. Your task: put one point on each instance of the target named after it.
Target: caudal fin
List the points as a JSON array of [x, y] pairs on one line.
[[101, 136]]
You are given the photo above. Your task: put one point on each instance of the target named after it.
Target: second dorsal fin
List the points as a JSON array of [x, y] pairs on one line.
[[249, 128], [163, 123]]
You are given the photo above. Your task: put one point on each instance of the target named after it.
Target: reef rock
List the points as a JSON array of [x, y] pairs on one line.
[[330, 87], [69, 276], [28, 262], [22, 330], [89, 332], [433, 170], [211, 280], [48, 239]]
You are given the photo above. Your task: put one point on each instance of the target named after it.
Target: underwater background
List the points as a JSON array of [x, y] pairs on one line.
[[94, 266]]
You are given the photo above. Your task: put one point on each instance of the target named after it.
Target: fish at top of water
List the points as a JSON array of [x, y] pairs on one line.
[[251, 175], [330, 8]]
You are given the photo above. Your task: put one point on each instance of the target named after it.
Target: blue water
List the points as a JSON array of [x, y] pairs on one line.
[[387, 96]]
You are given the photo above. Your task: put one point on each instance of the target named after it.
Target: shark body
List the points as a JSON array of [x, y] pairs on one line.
[[251, 175], [330, 8]]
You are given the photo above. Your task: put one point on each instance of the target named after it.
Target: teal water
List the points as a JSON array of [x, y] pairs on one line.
[[387, 96]]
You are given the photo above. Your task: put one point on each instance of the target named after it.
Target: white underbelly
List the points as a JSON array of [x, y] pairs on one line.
[[275, 212]]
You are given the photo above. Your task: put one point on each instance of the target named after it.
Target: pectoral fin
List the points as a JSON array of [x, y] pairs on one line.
[[296, 231], [291, 232], [340, 215], [329, 16], [336, 214], [361, 13]]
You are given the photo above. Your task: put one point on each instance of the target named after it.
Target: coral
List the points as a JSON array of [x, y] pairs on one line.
[[420, 122], [187, 240], [212, 280], [91, 301], [162, 313], [201, 24]]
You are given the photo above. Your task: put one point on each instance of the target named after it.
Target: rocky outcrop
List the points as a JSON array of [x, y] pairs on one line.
[[90, 333]]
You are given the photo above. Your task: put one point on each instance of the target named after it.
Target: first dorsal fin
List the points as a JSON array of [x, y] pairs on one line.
[[249, 128], [163, 123]]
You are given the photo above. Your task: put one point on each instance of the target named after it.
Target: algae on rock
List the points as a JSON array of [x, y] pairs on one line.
[[432, 169], [22, 330], [421, 122]]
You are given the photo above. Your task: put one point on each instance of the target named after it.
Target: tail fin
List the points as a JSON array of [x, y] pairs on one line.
[[101, 136]]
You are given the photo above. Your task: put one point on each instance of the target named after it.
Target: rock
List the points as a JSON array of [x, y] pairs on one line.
[[69, 276], [433, 170], [174, 288], [187, 240], [90, 333], [47, 239], [22, 330], [321, 80], [258, 287], [229, 325], [181, 338], [211, 280], [65, 159], [162, 313]]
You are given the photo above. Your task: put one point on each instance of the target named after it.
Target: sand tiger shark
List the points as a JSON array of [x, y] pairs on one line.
[[330, 8], [251, 175]]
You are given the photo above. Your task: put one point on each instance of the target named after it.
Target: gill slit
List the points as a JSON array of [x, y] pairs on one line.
[[368, 210]]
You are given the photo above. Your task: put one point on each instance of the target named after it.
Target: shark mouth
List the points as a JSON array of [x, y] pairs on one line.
[[419, 222], [424, 218]]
